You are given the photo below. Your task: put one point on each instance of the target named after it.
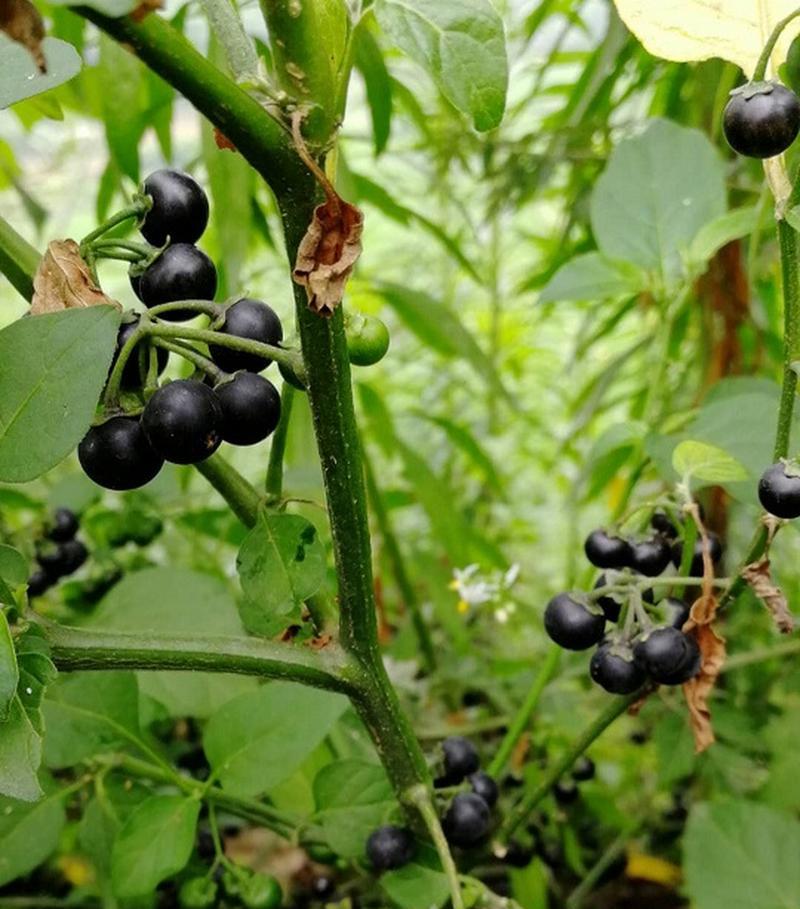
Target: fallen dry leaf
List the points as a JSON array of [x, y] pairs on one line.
[[144, 8], [758, 576], [22, 22], [63, 281]]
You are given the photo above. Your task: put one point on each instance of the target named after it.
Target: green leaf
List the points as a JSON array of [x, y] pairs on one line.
[[113, 8], [420, 883], [52, 370], [13, 565], [21, 76], [123, 100], [352, 799], [20, 755], [281, 564], [740, 854], [29, 833], [36, 673], [462, 45], [466, 442], [9, 671], [90, 713], [259, 739], [370, 63], [154, 843], [658, 190], [713, 236], [592, 277], [701, 461]]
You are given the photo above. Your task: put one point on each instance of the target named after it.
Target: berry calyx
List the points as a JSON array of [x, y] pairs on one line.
[[467, 820], [779, 492], [183, 421], [131, 372], [650, 557], [390, 847], [573, 625], [486, 787], [179, 211], [606, 551], [251, 408], [761, 120], [460, 759], [117, 455], [181, 272], [613, 668], [63, 526], [249, 319], [667, 654]]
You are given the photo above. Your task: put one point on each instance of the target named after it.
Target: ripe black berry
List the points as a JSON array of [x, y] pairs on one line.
[[181, 272], [180, 208], [667, 655], [251, 408], [250, 319], [614, 669], [467, 820], [663, 525], [696, 568], [779, 492], [390, 847], [117, 455], [183, 421], [583, 769], [517, 855], [63, 526], [650, 557], [606, 551], [761, 120], [460, 759], [131, 373], [39, 582], [73, 555], [672, 611], [573, 625], [688, 668], [565, 792], [485, 786]]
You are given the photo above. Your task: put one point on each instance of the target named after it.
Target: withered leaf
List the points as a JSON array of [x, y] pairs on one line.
[[144, 8], [698, 689], [328, 253], [63, 281], [758, 576], [22, 22]]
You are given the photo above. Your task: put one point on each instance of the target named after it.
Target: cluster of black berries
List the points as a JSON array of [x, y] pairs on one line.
[[779, 490], [650, 643], [185, 421], [762, 119], [59, 554]]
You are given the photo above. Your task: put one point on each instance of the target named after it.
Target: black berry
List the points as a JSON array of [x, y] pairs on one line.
[[661, 523], [761, 121], [390, 847], [460, 759], [183, 421], [117, 455], [650, 557], [249, 319], [73, 555], [180, 208], [779, 492], [672, 611], [517, 855], [251, 408], [565, 792], [667, 654], [614, 669], [181, 272], [39, 582], [696, 567], [606, 551], [63, 526], [485, 786], [131, 373], [610, 606], [467, 820], [583, 769], [573, 625]]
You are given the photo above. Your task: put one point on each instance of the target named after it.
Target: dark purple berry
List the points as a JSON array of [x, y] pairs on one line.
[[180, 208], [117, 455], [779, 492], [761, 120], [390, 847], [606, 551], [467, 820], [650, 557], [614, 669], [573, 625], [253, 320], [251, 408]]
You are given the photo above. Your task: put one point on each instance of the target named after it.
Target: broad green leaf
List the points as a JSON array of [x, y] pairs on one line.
[[259, 739], [20, 755], [686, 30], [36, 674], [464, 440], [9, 671], [420, 883], [176, 601], [462, 45], [592, 277], [352, 799], [90, 713], [369, 61], [738, 855], [713, 236], [659, 188], [13, 565], [52, 369], [154, 843], [701, 461], [21, 76], [281, 564], [29, 833], [123, 99]]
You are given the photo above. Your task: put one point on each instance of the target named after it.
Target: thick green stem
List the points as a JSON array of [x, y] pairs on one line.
[[277, 451], [18, 259], [242, 497]]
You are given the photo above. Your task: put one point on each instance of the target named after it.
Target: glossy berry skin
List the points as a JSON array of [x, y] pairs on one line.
[[251, 408], [249, 319], [131, 374], [183, 421], [688, 667], [180, 208], [661, 523], [672, 611], [39, 582], [583, 769], [181, 272], [779, 492], [667, 654], [63, 526], [650, 557], [73, 555], [136, 284], [486, 787], [517, 855], [565, 792], [696, 567], [606, 551], [460, 759], [762, 124], [573, 625], [117, 455], [390, 847], [467, 820], [614, 669]]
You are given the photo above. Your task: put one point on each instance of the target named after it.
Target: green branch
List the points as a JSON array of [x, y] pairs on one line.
[[277, 451], [233, 487]]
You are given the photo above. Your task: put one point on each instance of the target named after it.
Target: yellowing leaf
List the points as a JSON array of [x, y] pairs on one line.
[[735, 30]]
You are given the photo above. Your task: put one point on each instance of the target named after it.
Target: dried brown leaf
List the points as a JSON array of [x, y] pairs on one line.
[[698, 689], [144, 8], [759, 577], [63, 281], [22, 22], [328, 253]]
